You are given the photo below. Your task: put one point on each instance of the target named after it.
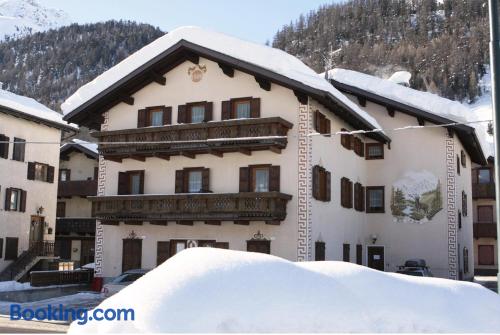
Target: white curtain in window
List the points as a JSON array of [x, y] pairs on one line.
[[243, 110], [197, 114], [157, 118], [136, 184], [376, 198], [194, 182], [262, 180]]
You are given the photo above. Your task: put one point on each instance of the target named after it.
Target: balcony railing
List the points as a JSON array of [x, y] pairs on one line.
[[486, 190], [73, 188], [217, 138], [185, 208], [485, 230], [75, 225]]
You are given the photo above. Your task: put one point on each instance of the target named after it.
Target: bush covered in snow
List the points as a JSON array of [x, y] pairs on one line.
[[214, 290]]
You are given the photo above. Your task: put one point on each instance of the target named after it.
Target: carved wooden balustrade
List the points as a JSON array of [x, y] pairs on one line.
[[185, 208], [214, 137]]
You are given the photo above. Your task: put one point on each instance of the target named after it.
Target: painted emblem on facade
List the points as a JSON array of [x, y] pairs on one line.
[[416, 197], [196, 72]]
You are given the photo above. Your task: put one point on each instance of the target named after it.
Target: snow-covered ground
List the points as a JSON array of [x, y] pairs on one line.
[[216, 290], [11, 285]]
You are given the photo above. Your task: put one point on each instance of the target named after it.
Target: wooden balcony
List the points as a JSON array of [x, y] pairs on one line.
[[75, 188], [186, 208], [217, 138], [485, 230], [483, 191], [75, 225]]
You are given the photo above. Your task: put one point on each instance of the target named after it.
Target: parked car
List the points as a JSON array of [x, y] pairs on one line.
[[415, 267], [118, 283]]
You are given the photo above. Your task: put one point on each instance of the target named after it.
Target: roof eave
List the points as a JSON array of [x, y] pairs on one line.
[[29, 117]]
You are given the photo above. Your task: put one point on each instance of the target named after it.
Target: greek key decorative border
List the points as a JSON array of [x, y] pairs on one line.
[[304, 242], [99, 239], [451, 194]]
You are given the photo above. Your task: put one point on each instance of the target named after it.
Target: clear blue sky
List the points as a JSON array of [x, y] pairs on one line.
[[255, 20]]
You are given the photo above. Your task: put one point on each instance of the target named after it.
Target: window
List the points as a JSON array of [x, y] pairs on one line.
[[463, 158], [15, 200], [346, 140], [197, 114], [321, 184], [466, 259], [359, 254], [260, 178], [346, 193], [486, 254], [484, 176], [459, 220], [240, 108], [61, 209], [64, 174], [319, 254], [359, 197], [464, 203], [19, 149], [346, 257], [262, 246], [485, 214], [321, 123], [4, 146], [154, 116], [131, 182], [375, 199], [359, 147], [458, 165], [192, 180], [11, 244], [374, 151], [41, 172]]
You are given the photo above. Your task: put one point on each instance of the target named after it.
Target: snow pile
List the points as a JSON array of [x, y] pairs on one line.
[[216, 290], [30, 106], [274, 60], [401, 78], [11, 285]]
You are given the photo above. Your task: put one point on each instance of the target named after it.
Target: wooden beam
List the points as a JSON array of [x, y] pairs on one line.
[[216, 153], [228, 71], [391, 111], [188, 154], [263, 83], [302, 97], [242, 222], [158, 78], [185, 222], [362, 101], [213, 222], [450, 132], [193, 58], [421, 121], [273, 222], [133, 223], [159, 222], [163, 156], [113, 159], [127, 99], [245, 151], [275, 149], [110, 222], [138, 158]]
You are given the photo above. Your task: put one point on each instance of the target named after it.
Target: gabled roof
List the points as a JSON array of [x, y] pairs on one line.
[[29, 109], [87, 148], [423, 105], [189, 43]]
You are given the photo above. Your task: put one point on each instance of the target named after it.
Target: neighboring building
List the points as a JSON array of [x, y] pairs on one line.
[[28, 183], [237, 155], [426, 174], [75, 227], [484, 213]]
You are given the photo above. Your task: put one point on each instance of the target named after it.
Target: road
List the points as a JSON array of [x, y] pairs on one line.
[[30, 327]]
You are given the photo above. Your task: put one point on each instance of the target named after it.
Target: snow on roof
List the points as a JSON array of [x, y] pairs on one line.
[[30, 107], [88, 145], [209, 290], [272, 59], [428, 102]]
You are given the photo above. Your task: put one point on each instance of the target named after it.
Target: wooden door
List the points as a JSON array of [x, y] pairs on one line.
[[62, 249], [485, 214], [486, 255], [162, 252], [259, 246], [132, 254], [87, 252], [36, 229], [376, 257]]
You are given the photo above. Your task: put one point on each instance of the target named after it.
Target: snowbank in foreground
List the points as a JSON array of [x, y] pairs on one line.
[[11, 285], [215, 290]]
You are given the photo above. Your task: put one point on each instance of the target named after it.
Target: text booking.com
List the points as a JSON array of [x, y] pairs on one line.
[[61, 313]]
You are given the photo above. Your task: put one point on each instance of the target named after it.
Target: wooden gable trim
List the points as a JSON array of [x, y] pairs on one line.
[[227, 70]]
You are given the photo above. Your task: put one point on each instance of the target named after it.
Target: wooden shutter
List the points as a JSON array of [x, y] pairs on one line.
[[226, 110], [11, 248], [205, 180], [319, 254], [167, 115], [162, 252], [182, 114], [317, 121], [22, 205], [362, 199], [274, 178], [31, 171], [328, 185], [349, 194], [359, 254], [328, 127], [346, 257], [179, 181], [208, 111], [141, 183], [221, 245], [255, 108], [141, 118], [4, 147], [50, 174], [244, 179], [316, 181], [123, 183], [96, 172], [1, 247], [8, 193]]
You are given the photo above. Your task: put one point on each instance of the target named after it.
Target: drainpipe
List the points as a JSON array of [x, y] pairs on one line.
[[495, 96]]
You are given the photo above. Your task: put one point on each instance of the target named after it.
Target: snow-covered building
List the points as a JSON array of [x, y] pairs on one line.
[[30, 134], [75, 227], [207, 140], [426, 173]]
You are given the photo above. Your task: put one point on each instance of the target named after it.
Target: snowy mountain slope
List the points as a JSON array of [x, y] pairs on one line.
[[22, 17]]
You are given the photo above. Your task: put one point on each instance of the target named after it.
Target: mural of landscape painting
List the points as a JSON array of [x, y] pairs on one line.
[[416, 197]]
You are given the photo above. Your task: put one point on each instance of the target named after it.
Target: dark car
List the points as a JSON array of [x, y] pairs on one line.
[[415, 267]]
